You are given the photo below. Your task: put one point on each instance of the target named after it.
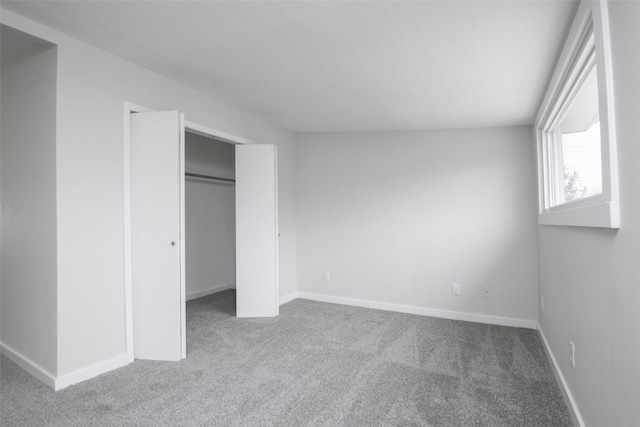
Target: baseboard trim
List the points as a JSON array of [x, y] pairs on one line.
[[213, 290], [89, 372], [28, 365], [287, 298], [577, 417], [409, 309], [63, 381]]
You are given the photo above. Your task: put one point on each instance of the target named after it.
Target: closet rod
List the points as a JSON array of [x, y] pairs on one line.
[[214, 178]]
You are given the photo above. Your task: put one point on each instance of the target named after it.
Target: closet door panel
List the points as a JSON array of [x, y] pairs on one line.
[[157, 230], [256, 231]]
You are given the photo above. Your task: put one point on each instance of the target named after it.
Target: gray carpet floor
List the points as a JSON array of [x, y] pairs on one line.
[[315, 364]]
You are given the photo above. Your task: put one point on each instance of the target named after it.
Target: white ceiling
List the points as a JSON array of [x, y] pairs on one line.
[[327, 66]]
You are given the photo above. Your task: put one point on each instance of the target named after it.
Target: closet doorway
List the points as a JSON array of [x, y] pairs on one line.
[[210, 216], [155, 237]]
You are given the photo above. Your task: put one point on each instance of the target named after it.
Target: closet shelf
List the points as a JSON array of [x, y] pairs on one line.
[[212, 178]]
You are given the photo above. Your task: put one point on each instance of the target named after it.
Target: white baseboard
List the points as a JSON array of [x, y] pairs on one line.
[[66, 380], [422, 311], [213, 290], [556, 368], [28, 365], [290, 297], [58, 383]]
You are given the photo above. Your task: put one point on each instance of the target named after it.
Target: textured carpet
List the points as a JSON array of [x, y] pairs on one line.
[[316, 364]]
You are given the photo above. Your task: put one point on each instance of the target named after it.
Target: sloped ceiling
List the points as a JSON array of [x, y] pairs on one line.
[[328, 66]]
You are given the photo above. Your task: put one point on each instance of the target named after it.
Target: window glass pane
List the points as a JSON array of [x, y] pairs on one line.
[[580, 129]]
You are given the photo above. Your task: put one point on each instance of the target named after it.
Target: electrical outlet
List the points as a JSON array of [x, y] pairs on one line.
[[327, 276], [455, 289], [486, 291], [572, 354]]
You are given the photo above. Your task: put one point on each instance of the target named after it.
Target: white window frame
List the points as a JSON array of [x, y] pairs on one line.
[[600, 210]]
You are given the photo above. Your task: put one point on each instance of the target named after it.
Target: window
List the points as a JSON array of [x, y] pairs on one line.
[[575, 130], [580, 141]]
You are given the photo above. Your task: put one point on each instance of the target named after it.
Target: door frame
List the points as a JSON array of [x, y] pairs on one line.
[[126, 204]]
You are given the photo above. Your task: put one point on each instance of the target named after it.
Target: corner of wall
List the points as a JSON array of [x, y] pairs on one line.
[[28, 365], [564, 386]]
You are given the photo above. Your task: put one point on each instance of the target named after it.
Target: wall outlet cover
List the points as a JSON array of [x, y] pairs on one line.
[[572, 354], [456, 289]]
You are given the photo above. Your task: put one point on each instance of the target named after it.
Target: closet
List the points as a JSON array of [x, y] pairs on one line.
[[210, 225], [203, 218]]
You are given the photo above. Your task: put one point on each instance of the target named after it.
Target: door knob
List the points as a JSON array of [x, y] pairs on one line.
[[173, 243]]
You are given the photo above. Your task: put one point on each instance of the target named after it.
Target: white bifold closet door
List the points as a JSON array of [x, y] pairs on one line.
[[256, 231], [158, 230], [157, 235]]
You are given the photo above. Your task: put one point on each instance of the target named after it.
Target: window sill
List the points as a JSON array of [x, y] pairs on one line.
[[601, 215]]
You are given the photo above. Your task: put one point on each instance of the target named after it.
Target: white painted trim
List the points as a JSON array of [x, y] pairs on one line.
[[89, 372], [288, 298], [28, 365], [600, 210], [210, 291], [603, 215], [126, 209], [556, 368], [421, 311], [216, 134], [126, 205], [183, 237], [277, 227]]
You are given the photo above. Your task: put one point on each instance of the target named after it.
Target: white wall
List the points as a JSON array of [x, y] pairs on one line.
[[92, 87], [590, 278], [398, 217], [210, 216], [28, 292]]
